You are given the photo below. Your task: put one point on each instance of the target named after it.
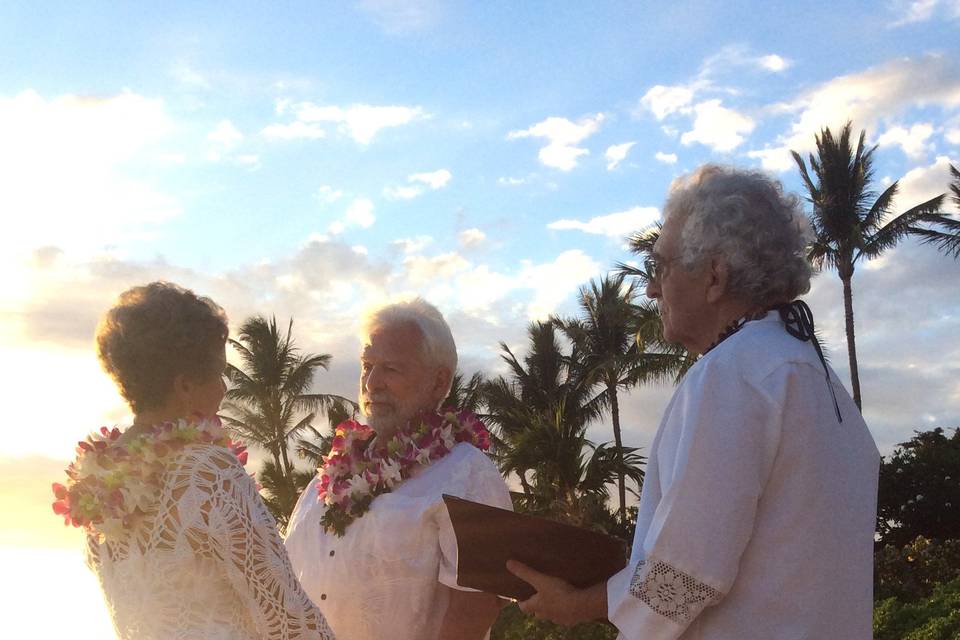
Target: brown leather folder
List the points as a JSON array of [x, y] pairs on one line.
[[487, 537]]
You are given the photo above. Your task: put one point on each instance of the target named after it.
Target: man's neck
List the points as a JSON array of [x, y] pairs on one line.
[[726, 313]]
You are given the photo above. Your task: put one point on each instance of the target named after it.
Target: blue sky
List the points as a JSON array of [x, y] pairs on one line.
[[314, 158]]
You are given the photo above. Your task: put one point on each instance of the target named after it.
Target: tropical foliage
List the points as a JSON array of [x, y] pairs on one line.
[[919, 493], [269, 403], [853, 223]]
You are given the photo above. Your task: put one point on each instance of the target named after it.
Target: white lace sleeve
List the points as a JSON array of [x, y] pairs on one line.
[[243, 534]]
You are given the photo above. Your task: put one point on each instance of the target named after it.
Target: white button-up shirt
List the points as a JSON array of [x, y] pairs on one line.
[[387, 577], [758, 508]]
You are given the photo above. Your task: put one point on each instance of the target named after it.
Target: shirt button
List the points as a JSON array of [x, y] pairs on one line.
[[332, 552], [323, 596]]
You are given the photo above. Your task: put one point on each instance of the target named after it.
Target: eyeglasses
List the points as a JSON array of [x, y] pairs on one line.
[[656, 267]]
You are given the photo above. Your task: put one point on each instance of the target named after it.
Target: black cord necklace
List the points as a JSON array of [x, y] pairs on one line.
[[798, 321]]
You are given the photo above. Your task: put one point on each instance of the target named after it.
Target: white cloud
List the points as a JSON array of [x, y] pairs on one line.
[[666, 100], [358, 214], [249, 160], [915, 11], [553, 282], [431, 180], [776, 159], [913, 141], [563, 135], [225, 135], [615, 154], [615, 225], [402, 192], [401, 17], [187, 75], [413, 245], [423, 270], [923, 183], [952, 135], [717, 127], [434, 179], [328, 194], [293, 131], [663, 101], [362, 122], [506, 180], [471, 237], [666, 158], [774, 63], [734, 58], [63, 166], [868, 99]]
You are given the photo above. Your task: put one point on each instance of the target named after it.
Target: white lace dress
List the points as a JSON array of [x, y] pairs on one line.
[[207, 563]]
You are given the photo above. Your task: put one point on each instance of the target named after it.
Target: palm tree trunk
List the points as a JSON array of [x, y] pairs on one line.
[[525, 484], [287, 469], [851, 340], [621, 477]]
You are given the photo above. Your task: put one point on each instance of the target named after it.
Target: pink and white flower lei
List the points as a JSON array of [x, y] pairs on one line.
[[354, 472], [112, 484]]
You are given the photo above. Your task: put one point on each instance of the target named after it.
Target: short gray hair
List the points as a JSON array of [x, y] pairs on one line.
[[439, 347], [748, 218]]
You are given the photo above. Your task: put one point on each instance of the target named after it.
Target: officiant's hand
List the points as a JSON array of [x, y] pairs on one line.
[[559, 601]]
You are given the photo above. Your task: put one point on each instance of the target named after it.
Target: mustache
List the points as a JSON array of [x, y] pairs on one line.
[[378, 398]]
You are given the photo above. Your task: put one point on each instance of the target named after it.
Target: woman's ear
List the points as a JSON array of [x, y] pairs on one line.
[[182, 392]]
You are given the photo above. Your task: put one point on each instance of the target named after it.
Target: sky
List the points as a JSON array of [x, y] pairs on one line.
[[313, 159]]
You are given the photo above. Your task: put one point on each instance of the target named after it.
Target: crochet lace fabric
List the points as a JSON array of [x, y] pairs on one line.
[[671, 592], [206, 563]]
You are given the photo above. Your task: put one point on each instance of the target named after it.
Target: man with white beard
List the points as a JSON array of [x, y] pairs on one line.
[[370, 538]]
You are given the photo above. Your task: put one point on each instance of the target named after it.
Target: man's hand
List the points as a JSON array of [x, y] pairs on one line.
[[560, 601]]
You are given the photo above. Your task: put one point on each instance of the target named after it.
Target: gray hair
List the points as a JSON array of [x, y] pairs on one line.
[[438, 345], [748, 218]]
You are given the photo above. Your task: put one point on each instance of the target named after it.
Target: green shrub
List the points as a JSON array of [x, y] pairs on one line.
[[911, 573], [933, 618], [513, 624]]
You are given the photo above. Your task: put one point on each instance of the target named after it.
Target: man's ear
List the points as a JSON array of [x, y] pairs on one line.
[[441, 383], [719, 277]]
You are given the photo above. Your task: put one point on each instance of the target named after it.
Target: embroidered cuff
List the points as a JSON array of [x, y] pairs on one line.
[[670, 592]]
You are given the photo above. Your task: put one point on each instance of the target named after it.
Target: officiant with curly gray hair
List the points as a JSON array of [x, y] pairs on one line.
[[758, 509]]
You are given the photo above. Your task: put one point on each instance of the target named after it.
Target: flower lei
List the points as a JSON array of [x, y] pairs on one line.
[[111, 484], [354, 473]]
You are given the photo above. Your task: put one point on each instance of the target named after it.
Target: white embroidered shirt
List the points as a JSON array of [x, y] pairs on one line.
[[386, 578], [207, 563], [758, 509]]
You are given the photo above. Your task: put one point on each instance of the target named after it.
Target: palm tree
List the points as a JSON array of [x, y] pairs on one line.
[[280, 492], [316, 445], [604, 335], [542, 387], [571, 475], [852, 223], [465, 395], [269, 403]]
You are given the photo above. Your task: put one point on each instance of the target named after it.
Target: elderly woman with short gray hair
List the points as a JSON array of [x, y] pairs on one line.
[[177, 533], [757, 513]]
